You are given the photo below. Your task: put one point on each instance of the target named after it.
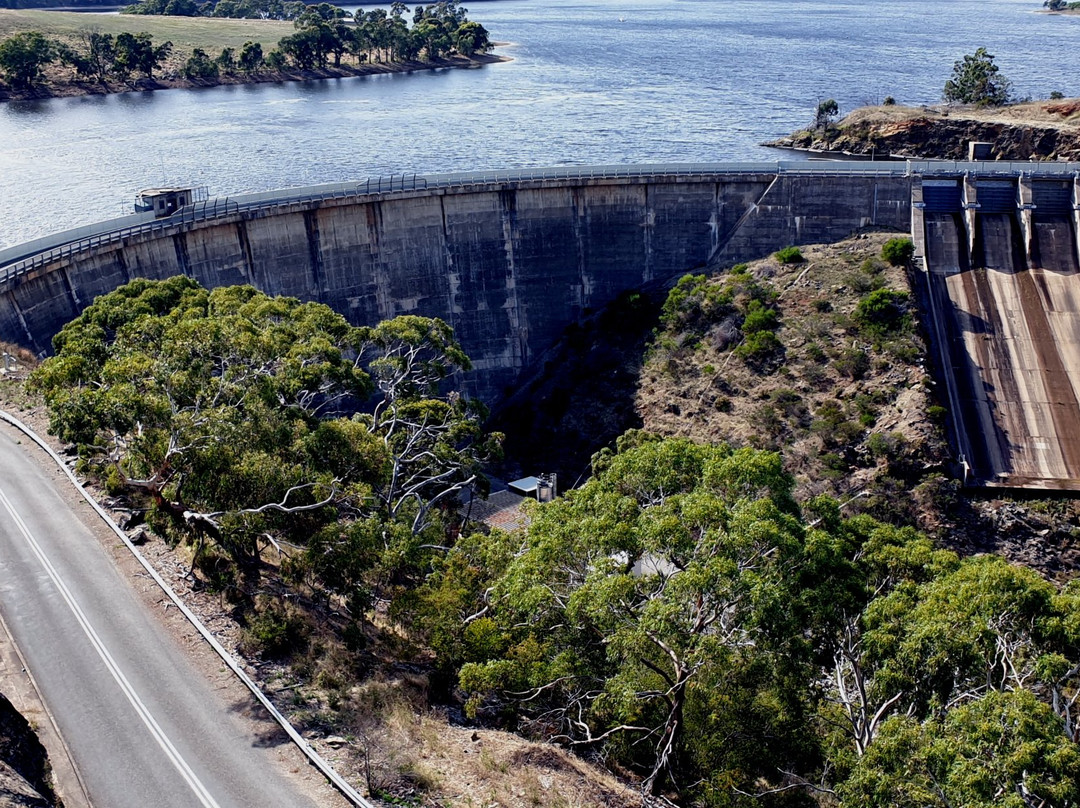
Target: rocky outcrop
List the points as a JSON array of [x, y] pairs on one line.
[[941, 135], [24, 764]]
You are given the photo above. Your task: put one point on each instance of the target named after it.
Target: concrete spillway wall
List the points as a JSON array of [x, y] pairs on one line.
[[1003, 298], [508, 262]]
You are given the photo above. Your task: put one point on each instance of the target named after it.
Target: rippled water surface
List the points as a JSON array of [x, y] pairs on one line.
[[622, 81]]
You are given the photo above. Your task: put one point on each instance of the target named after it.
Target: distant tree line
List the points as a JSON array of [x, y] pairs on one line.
[[326, 29], [95, 56], [324, 33], [47, 3]]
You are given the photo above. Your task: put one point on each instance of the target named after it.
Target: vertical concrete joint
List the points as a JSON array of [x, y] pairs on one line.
[[647, 232], [519, 331], [245, 248], [311, 226], [182, 259], [1026, 203], [65, 278]]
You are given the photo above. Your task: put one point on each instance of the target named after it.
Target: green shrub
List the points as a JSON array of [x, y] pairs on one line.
[[898, 251], [822, 306], [887, 446], [889, 101], [814, 352], [759, 318], [791, 406], [936, 413], [767, 421], [788, 255], [759, 348], [835, 462], [693, 304], [276, 631], [852, 363], [882, 311]]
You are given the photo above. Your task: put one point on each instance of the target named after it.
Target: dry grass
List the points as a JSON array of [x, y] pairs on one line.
[[414, 755], [711, 395], [1064, 113], [186, 33], [13, 371]]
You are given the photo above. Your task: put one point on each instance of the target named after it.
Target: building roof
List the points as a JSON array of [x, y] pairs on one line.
[[502, 509]]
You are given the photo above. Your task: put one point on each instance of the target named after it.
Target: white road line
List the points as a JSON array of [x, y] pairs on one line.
[[162, 739]]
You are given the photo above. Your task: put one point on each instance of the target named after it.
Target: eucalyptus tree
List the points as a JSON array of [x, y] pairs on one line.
[[976, 79], [634, 596], [240, 416], [22, 57]]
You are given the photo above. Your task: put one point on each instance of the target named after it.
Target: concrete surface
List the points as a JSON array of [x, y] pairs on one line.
[[1006, 293], [509, 264]]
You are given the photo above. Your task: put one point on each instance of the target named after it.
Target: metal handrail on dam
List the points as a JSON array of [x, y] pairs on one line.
[[40, 252]]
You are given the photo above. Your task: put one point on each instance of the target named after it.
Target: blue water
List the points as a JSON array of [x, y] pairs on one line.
[[622, 81]]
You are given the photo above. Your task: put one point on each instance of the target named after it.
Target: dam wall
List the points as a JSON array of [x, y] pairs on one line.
[[512, 260], [509, 260]]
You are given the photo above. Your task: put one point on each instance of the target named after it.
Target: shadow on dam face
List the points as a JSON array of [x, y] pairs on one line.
[[508, 260]]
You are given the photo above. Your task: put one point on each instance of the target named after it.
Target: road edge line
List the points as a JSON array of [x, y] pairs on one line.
[[312, 755], [52, 722]]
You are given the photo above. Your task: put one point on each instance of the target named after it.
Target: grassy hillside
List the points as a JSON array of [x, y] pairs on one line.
[[852, 408], [210, 34]]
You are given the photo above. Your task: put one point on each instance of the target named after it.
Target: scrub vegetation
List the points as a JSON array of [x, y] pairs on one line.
[[748, 602]]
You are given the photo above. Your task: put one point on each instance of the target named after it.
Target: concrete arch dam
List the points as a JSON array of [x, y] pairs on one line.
[[508, 260], [511, 259]]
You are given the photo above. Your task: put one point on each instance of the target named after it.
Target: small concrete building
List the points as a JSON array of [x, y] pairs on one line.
[[167, 201]]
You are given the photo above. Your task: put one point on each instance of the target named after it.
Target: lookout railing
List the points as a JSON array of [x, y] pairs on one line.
[[40, 252]]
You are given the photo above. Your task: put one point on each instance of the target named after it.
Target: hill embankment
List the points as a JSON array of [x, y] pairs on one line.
[[25, 780], [1037, 130]]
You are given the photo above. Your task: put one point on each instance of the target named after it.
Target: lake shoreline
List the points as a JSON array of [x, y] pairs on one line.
[[83, 88]]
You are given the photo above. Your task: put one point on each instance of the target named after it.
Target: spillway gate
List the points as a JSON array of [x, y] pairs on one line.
[[1001, 260]]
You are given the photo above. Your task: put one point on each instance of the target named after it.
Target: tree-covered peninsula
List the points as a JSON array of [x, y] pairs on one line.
[[53, 53]]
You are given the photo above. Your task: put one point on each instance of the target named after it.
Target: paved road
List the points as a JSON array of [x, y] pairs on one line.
[[144, 726]]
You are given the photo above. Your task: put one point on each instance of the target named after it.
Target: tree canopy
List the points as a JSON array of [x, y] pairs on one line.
[[22, 56], [977, 80], [681, 616], [241, 416]]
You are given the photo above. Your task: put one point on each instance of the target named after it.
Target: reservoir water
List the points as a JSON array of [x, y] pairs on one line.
[[592, 81]]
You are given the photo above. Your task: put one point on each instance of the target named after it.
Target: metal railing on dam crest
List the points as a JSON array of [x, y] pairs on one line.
[[39, 252]]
